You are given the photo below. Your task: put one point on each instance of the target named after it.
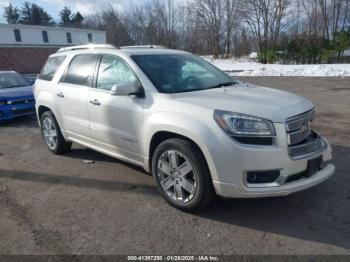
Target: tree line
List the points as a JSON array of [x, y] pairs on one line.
[[285, 31], [33, 14]]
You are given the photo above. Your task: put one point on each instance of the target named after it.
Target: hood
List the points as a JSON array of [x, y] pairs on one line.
[[264, 102], [16, 92]]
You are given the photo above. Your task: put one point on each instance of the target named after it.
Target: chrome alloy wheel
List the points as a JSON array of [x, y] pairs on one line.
[[176, 176], [49, 133]]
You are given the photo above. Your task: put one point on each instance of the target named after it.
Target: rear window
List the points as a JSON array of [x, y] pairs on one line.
[[50, 68]]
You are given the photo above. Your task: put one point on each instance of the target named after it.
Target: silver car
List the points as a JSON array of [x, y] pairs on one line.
[[198, 131]]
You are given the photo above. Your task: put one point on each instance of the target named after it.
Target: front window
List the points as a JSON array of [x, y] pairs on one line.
[[113, 71], [11, 80], [176, 73]]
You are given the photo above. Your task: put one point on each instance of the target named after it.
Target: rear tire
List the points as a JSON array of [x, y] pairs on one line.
[[52, 134], [182, 175]]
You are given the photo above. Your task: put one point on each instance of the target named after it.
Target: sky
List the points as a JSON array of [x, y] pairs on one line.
[[83, 6]]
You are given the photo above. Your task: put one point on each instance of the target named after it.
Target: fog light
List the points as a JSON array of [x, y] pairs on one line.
[[262, 177]]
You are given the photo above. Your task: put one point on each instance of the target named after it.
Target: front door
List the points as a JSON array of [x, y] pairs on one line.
[[115, 120]]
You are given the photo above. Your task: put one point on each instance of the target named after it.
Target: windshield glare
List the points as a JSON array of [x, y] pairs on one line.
[[11, 80], [176, 73]]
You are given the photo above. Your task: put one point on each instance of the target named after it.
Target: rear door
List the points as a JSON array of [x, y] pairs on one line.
[[72, 97], [115, 120]]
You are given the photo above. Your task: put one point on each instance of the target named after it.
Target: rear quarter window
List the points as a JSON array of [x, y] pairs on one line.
[[51, 67]]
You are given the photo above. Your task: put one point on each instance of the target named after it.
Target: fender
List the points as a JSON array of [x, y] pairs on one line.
[[47, 99], [193, 128]]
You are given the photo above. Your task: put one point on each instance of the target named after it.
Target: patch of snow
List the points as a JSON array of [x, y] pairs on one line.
[[253, 55], [247, 67]]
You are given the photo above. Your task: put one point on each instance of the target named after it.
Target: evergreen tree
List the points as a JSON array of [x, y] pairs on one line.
[[77, 20], [32, 14], [11, 14], [65, 17]]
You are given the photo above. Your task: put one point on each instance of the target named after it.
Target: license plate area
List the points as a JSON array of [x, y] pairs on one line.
[[313, 166]]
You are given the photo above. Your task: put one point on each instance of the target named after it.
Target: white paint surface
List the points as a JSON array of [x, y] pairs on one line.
[[32, 35]]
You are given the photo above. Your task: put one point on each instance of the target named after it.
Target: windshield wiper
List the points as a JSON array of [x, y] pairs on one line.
[[224, 84]]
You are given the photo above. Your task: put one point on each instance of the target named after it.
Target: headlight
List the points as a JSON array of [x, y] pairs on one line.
[[3, 103], [241, 125]]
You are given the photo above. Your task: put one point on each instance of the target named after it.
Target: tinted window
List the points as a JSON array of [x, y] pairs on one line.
[[69, 38], [81, 69], [17, 35], [113, 71], [175, 73], [50, 68], [45, 36]]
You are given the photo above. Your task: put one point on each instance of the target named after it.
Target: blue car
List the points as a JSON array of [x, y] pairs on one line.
[[16, 96]]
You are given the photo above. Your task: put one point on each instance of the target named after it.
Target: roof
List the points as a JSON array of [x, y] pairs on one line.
[[130, 50], [54, 28], [152, 51]]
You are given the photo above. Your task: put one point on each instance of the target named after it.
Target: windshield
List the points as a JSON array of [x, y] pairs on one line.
[[11, 80], [176, 73]]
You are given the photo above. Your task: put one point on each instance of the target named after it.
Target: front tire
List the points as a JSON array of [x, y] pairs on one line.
[[182, 175], [52, 134]]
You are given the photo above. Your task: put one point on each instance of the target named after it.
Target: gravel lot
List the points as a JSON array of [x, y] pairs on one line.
[[61, 205]]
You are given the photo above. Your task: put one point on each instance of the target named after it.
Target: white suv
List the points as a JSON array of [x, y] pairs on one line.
[[193, 127]]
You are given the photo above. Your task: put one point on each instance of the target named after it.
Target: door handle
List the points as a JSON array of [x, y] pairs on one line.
[[60, 94], [95, 102]]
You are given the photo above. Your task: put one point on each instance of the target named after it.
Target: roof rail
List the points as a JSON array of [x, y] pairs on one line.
[[89, 46], [143, 46]]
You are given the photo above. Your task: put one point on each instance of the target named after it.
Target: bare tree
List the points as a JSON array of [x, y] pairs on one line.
[[210, 14], [264, 18], [230, 22]]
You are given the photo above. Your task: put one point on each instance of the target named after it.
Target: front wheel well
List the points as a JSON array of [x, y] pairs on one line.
[[42, 110], [160, 137]]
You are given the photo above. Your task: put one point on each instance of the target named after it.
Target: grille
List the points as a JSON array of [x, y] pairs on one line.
[[22, 101], [301, 139], [17, 112]]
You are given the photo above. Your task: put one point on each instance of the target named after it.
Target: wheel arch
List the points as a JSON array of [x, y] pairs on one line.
[[162, 135], [41, 110]]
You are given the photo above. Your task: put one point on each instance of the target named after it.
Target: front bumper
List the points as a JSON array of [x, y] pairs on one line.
[[232, 191], [8, 112], [231, 162]]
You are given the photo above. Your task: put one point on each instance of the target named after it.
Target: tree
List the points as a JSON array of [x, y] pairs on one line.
[[32, 14], [230, 20], [65, 17], [11, 14], [210, 14], [113, 23], [77, 20], [265, 18]]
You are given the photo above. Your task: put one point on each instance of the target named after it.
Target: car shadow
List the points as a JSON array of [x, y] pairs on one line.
[[78, 182], [91, 155], [320, 214]]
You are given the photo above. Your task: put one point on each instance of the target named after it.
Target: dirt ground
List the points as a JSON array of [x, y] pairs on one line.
[[61, 205]]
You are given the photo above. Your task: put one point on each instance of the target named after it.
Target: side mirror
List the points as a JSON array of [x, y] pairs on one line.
[[126, 89]]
